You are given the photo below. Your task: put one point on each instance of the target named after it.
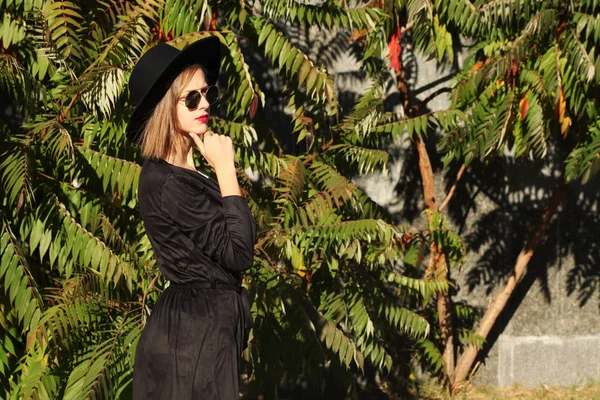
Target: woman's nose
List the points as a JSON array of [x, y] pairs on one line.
[[204, 104]]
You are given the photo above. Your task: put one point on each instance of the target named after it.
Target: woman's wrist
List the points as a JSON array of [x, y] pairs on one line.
[[225, 166], [228, 183]]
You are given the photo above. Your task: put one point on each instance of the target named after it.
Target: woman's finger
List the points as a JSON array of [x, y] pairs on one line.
[[199, 142]]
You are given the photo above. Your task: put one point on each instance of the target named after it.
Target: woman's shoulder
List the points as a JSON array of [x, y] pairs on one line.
[[158, 175], [154, 173]]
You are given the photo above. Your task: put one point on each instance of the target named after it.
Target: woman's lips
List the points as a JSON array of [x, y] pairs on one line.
[[203, 118]]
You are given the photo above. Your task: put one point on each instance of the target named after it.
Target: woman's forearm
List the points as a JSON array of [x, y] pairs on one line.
[[228, 182]]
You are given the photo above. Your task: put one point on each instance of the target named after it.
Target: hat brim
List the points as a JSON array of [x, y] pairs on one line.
[[205, 52]]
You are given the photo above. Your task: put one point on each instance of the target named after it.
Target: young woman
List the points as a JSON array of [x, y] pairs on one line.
[[201, 230]]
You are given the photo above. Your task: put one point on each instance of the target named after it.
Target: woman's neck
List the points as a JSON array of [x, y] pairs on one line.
[[182, 157]]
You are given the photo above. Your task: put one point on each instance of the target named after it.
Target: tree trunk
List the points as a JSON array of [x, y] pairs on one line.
[[438, 260], [497, 306]]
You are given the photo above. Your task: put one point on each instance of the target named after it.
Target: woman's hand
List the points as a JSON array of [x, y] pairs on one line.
[[216, 149], [218, 152]]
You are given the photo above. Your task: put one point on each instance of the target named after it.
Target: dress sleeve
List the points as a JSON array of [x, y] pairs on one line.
[[225, 235]]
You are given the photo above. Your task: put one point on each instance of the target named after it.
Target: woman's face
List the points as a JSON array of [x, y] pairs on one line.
[[195, 120]]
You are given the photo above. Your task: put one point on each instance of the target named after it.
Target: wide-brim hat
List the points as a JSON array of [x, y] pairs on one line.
[[156, 70]]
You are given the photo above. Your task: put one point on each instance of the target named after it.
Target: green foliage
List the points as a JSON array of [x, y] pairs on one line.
[[19, 287], [335, 284], [430, 355], [294, 64], [584, 160], [175, 16], [79, 275], [328, 14], [529, 79]]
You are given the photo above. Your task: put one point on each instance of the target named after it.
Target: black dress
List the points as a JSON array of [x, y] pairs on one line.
[[191, 345]]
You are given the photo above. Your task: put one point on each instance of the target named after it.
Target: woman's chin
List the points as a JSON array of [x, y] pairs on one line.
[[199, 130]]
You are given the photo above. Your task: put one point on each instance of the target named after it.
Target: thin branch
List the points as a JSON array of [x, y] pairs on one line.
[[313, 156], [434, 95], [453, 188], [62, 116], [70, 186], [407, 27], [149, 288]]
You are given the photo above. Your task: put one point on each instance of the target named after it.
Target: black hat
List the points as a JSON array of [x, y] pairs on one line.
[[156, 70]]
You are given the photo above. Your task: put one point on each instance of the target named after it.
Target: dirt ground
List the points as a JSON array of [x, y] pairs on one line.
[[588, 392]]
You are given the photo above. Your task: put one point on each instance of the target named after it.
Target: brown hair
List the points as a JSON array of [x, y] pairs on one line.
[[162, 132]]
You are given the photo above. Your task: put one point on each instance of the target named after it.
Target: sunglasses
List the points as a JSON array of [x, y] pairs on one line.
[[192, 99]]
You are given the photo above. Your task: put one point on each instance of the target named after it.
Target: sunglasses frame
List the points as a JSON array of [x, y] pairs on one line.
[[189, 98]]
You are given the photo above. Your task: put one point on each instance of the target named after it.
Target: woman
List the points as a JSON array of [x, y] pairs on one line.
[[201, 230]]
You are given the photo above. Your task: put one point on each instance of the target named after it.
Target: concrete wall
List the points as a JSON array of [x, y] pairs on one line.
[[532, 361]]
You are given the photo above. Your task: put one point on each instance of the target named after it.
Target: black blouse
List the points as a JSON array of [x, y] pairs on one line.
[[197, 235]]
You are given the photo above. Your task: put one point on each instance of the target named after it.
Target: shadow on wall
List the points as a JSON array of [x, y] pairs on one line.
[[580, 232], [505, 198], [519, 195], [495, 208]]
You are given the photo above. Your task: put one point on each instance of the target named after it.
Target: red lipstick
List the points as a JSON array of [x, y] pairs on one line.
[[202, 118]]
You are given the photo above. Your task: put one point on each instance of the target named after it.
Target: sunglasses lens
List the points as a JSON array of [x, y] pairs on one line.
[[192, 99], [212, 94]]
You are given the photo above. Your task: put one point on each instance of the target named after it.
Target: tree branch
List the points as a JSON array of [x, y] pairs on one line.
[[434, 95], [502, 297], [453, 188]]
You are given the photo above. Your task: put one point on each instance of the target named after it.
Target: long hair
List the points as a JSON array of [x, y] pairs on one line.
[[161, 135]]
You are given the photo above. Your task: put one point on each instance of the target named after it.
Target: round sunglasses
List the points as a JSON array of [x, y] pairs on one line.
[[192, 99]]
